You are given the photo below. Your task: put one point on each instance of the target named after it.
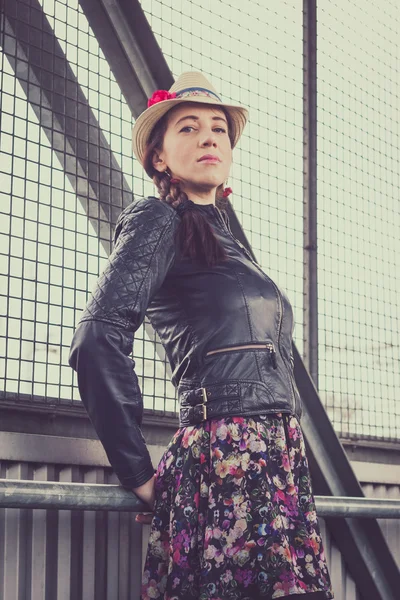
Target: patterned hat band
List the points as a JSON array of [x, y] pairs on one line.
[[197, 91]]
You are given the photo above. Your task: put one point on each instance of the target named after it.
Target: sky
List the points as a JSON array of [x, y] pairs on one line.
[[252, 54]]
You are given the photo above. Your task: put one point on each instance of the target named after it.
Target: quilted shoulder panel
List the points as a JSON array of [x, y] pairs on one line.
[[154, 207], [144, 250]]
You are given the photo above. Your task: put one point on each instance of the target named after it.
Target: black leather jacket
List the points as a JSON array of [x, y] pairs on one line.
[[203, 317]]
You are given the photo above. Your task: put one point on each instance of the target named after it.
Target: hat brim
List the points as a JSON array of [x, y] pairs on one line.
[[148, 118]]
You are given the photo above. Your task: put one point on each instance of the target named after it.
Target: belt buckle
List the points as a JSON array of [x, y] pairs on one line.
[[204, 393], [204, 407]]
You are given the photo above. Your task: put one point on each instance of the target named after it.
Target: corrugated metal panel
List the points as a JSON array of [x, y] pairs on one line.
[[343, 584], [95, 555], [390, 527], [68, 554], [15, 540]]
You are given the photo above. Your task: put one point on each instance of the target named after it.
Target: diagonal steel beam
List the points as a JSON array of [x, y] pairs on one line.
[[64, 114], [131, 49]]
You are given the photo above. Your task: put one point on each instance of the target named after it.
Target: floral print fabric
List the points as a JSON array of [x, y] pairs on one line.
[[234, 517]]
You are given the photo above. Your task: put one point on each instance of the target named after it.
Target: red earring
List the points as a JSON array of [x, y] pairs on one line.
[[227, 191]]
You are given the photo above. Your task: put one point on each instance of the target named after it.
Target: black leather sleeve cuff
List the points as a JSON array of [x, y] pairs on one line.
[[137, 480]]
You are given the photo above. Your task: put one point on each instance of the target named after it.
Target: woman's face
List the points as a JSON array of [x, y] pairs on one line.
[[194, 130]]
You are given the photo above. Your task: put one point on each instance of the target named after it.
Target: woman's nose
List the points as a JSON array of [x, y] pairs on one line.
[[210, 139]]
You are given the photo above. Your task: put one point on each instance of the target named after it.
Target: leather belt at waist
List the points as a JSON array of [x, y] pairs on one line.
[[207, 403], [235, 398]]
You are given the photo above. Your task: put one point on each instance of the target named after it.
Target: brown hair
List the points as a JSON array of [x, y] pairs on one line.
[[194, 236]]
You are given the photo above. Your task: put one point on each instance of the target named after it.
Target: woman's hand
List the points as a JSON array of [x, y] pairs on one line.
[[146, 493], [144, 518]]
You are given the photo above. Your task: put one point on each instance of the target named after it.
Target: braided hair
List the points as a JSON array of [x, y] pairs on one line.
[[195, 236]]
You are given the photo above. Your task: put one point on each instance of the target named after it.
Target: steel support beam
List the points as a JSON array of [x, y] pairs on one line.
[[131, 49], [310, 284], [73, 132]]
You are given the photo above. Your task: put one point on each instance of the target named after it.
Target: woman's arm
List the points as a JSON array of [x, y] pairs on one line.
[[146, 493], [108, 385]]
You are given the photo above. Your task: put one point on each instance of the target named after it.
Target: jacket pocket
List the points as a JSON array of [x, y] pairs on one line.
[[264, 346]]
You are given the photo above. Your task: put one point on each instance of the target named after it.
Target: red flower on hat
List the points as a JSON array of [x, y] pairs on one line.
[[159, 96]]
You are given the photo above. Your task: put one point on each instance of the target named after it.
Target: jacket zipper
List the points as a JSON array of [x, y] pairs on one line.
[[228, 229], [269, 345]]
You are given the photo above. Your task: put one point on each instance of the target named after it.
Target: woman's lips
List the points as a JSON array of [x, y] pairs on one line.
[[210, 160]]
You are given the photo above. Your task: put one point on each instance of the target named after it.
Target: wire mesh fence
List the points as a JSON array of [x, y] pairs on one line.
[[67, 170], [358, 216]]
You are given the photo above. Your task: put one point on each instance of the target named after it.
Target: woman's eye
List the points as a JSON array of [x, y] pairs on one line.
[[215, 129]]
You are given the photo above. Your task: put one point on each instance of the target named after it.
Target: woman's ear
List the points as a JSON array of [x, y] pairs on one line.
[[158, 163]]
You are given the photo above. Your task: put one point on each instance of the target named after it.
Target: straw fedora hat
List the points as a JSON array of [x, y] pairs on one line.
[[190, 86]]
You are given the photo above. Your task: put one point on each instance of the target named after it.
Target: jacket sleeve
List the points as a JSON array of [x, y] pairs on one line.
[[144, 250]]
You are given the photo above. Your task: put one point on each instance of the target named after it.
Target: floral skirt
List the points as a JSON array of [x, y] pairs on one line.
[[234, 516]]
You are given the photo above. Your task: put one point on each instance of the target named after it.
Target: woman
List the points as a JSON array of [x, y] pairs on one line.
[[234, 515]]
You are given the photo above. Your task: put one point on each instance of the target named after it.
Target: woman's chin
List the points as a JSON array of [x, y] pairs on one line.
[[207, 185]]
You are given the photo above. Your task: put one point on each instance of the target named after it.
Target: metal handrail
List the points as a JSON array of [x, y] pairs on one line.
[[19, 493]]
